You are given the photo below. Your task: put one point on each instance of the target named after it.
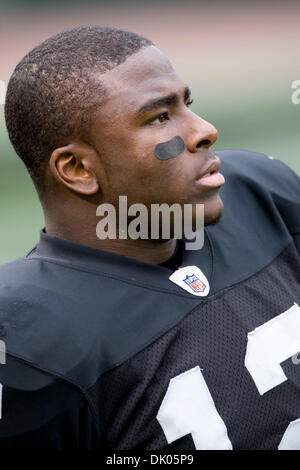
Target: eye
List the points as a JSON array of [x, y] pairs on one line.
[[161, 118], [189, 103]]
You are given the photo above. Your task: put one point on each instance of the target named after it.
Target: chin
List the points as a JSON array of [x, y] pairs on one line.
[[213, 211]]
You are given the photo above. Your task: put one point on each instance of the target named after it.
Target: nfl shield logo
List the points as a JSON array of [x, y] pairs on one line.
[[191, 279], [194, 283]]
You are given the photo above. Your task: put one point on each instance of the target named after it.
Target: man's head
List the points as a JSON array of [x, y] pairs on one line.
[[55, 90], [86, 111]]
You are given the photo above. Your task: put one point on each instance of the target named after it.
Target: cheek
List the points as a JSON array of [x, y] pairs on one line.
[[133, 168]]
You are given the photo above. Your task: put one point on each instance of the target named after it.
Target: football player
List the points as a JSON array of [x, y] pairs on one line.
[[124, 343]]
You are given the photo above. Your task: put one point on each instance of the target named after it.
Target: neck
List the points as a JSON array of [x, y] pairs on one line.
[[76, 221], [149, 251]]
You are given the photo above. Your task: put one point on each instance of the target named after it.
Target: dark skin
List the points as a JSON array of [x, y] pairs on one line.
[[121, 159]]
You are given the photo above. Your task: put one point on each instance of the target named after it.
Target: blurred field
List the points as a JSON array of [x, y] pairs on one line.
[[239, 63]]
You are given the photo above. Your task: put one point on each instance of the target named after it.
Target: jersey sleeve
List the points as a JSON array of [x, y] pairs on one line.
[[285, 188], [40, 410], [273, 182]]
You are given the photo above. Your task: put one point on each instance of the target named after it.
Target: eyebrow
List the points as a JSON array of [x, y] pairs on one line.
[[163, 101]]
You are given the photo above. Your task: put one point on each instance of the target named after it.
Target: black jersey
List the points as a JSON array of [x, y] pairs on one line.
[[105, 352]]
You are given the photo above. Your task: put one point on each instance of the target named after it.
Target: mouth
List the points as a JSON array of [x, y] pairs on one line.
[[211, 177]]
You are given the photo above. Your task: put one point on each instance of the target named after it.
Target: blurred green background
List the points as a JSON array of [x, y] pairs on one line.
[[240, 61]]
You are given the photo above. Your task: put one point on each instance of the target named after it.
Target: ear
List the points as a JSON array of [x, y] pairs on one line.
[[75, 165]]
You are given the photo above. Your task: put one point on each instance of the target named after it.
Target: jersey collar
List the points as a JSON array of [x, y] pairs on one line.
[[77, 256]]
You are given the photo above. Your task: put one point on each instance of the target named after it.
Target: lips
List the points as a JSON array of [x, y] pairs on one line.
[[210, 177], [213, 167]]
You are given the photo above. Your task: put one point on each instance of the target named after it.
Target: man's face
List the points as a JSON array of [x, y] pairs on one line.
[[147, 104]]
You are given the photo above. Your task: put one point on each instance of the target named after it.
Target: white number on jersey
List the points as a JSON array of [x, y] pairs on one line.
[[188, 407], [269, 345]]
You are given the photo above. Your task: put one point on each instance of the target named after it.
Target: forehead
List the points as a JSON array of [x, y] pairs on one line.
[[145, 75]]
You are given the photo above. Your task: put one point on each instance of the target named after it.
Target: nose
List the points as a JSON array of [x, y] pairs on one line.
[[202, 135]]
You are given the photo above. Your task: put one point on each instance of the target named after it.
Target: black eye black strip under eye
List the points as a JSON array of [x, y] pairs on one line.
[[170, 149]]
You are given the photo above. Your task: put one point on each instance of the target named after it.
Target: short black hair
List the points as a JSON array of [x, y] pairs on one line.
[[51, 94]]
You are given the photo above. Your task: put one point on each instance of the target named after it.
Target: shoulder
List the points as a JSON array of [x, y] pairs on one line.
[[62, 319], [38, 316], [260, 170], [261, 216], [40, 410]]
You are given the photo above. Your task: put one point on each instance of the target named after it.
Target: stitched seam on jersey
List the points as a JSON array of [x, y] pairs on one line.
[[236, 283], [29, 253], [58, 376], [44, 369], [212, 257], [168, 326], [110, 276]]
